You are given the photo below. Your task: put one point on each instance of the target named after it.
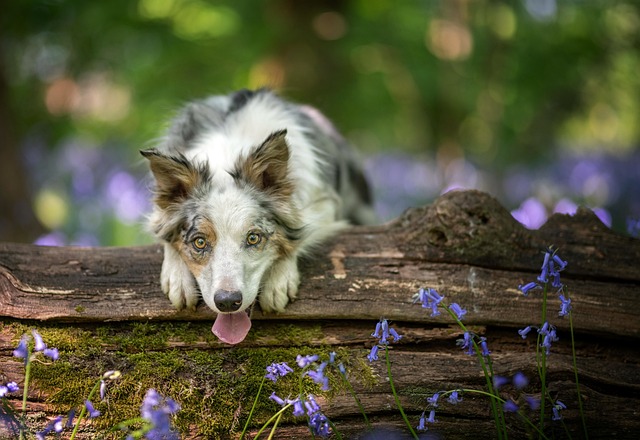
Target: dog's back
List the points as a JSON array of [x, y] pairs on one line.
[[222, 128]]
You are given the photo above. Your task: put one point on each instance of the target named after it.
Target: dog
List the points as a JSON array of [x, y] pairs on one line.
[[245, 184]]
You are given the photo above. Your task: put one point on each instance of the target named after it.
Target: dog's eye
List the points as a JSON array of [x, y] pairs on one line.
[[253, 238], [199, 243]]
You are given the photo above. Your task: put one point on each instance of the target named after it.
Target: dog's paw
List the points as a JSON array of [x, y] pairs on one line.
[[280, 286], [177, 282]]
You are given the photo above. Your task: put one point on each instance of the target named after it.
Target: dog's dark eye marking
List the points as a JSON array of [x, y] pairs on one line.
[[253, 238], [199, 243]]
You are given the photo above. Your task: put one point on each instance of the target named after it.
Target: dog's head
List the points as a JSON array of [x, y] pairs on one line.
[[229, 226]]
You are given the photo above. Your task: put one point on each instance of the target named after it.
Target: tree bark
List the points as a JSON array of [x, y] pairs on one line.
[[465, 245]]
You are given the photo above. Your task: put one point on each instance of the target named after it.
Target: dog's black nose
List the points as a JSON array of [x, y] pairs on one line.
[[228, 301]]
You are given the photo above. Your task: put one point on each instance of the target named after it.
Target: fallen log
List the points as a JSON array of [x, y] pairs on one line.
[[104, 309]]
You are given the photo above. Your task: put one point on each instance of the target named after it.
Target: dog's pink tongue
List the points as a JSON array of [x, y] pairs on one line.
[[231, 328]]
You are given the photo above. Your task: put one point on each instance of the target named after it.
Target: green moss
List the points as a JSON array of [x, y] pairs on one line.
[[215, 386]]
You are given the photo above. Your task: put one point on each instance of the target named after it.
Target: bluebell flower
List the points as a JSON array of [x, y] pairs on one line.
[[277, 370], [484, 347], [543, 277], [524, 332], [54, 426], [303, 361], [459, 311], [549, 333], [430, 298], [51, 353], [528, 287], [311, 405], [373, 355], [332, 357], [466, 343], [376, 332], [39, 343], [93, 413], [533, 403], [318, 376], [499, 381], [556, 408], [433, 400], [319, 425], [70, 416], [510, 406], [565, 307], [520, 380], [561, 263], [157, 411], [394, 334], [454, 398], [10, 387], [277, 399], [421, 424], [432, 416], [22, 351], [298, 407], [342, 369]]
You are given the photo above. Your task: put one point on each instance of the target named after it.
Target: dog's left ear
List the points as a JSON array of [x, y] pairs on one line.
[[266, 167]]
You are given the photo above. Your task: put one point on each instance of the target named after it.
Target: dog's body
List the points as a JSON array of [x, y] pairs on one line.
[[246, 183]]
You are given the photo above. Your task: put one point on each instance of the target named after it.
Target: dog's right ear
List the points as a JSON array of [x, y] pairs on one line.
[[176, 177]]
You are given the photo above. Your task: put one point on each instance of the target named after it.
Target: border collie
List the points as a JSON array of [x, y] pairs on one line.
[[245, 184]]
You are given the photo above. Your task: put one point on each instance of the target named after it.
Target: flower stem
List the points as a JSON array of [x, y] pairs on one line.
[[276, 416], [541, 355], [355, 397], [253, 407], [84, 409], [25, 391], [395, 394]]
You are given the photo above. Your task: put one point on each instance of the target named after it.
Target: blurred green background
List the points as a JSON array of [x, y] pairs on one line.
[[535, 101]]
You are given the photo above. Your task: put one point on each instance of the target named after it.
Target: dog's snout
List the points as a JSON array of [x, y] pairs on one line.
[[227, 301]]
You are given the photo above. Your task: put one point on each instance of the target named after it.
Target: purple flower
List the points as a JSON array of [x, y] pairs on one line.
[[93, 413], [528, 287], [39, 343], [311, 405], [22, 351], [543, 277], [430, 298], [318, 376], [524, 332], [373, 356], [466, 343], [499, 381], [54, 426], [565, 307], [549, 333], [298, 407], [454, 398], [459, 311], [533, 403], [520, 380], [277, 399], [156, 410], [332, 357], [319, 424], [433, 400], [10, 387], [510, 406], [421, 424], [432, 416], [303, 361], [484, 347], [51, 353], [561, 264], [394, 333], [277, 370], [559, 406]]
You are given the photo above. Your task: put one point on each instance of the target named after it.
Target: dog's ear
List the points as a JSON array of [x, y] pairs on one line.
[[266, 168], [176, 177]]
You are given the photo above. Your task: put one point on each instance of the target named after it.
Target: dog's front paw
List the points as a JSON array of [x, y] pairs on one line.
[[177, 282], [280, 286]]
